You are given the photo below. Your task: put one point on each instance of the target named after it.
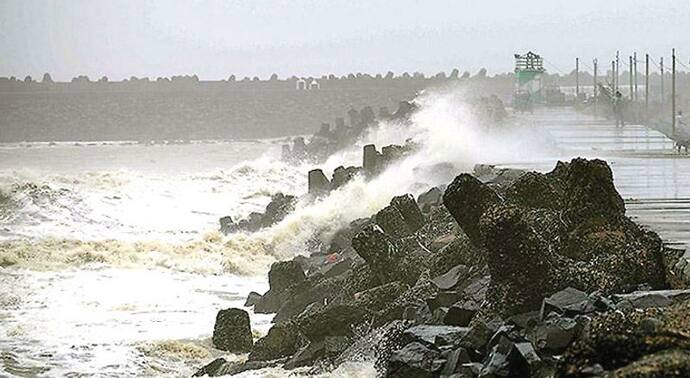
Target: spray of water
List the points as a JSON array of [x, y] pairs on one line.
[[445, 129]]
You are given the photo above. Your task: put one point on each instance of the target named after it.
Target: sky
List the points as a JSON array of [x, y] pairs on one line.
[[214, 39]]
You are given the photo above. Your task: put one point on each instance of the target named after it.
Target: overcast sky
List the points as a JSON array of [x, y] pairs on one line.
[[247, 38]]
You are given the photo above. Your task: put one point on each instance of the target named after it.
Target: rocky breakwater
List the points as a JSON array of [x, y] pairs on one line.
[[326, 141], [503, 273]]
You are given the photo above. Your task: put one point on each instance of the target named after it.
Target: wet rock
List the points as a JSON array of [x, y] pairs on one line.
[[284, 274], [414, 219], [555, 334], [252, 222], [432, 197], [220, 367], [392, 222], [460, 251], [461, 313], [342, 176], [452, 278], [441, 242], [591, 194], [282, 340], [568, 302], [280, 206], [519, 260], [467, 198], [333, 320], [376, 248], [414, 360], [232, 331], [307, 355], [629, 338], [227, 225], [318, 184], [430, 334], [316, 290], [534, 189], [478, 336], [454, 360], [370, 160], [653, 298], [674, 363], [214, 368], [252, 299]]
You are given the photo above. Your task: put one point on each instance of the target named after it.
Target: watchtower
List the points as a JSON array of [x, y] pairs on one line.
[[528, 76]]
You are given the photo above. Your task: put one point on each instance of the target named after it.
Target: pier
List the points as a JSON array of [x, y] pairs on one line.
[[653, 179]]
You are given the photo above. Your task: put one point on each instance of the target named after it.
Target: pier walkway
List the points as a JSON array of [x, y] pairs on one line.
[[652, 178]]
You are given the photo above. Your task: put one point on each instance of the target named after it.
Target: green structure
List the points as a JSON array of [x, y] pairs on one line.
[[528, 80]]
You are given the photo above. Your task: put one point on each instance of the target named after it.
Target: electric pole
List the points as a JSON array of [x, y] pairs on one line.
[[594, 91], [673, 90], [635, 72], [577, 77], [630, 77], [646, 88], [661, 68]]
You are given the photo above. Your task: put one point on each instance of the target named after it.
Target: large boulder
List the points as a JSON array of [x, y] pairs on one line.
[[282, 340], [232, 331], [280, 206], [467, 198], [409, 210], [284, 274], [415, 360], [632, 343], [545, 233]]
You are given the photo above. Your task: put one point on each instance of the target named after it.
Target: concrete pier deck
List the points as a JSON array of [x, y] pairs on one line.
[[652, 178]]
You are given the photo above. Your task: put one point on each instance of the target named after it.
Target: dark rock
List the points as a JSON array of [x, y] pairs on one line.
[[376, 248], [454, 360], [392, 222], [282, 340], [478, 336], [370, 160], [452, 278], [227, 225], [460, 251], [410, 211], [567, 302], [414, 360], [630, 340], [220, 367], [280, 206], [252, 223], [316, 290], [432, 197], [333, 320], [232, 331], [429, 334], [307, 355], [284, 274], [252, 299], [443, 298], [534, 189], [467, 198], [333, 269], [214, 368], [441, 242], [555, 334], [646, 299], [318, 183], [342, 176], [591, 194], [461, 313]]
